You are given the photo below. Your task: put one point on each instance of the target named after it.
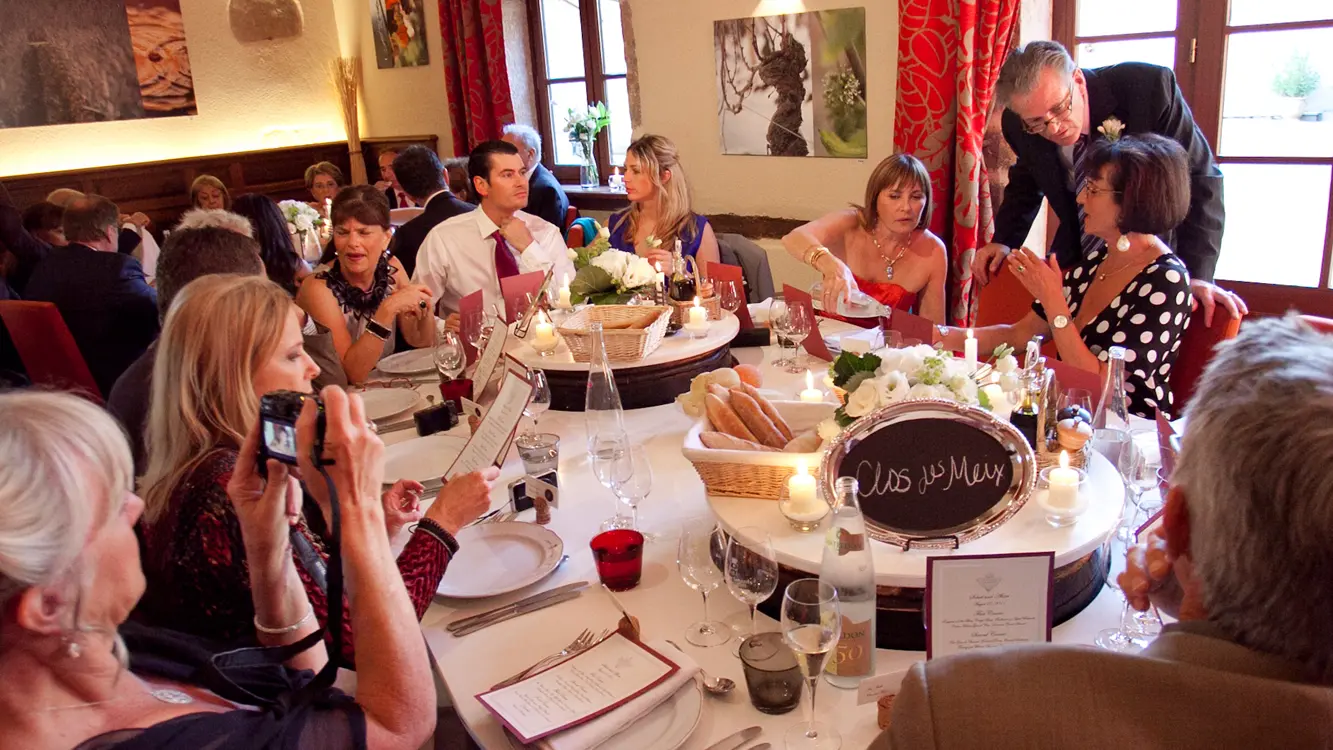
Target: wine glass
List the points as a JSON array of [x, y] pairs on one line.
[[522, 303], [478, 325], [1080, 397], [779, 321], [541, 397], [812, 625], [728, 295], [1141, 473], [606, 450], [751, 568], [450, 357], [632, 480], [701, 572], [799, 324], [1136, 629]]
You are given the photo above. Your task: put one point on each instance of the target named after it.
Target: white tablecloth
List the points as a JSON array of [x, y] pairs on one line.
[[662, 602]]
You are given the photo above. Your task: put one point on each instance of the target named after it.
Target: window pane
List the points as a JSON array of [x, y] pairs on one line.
[[1276, 214], [564, 39], [1102, 18], [1249, 12], [617, 100], [613, 39], [1156, 51], [563, 97], [1278, 95]]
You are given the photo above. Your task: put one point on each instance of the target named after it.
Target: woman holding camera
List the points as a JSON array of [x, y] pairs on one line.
[[70, 574], [207, 384]]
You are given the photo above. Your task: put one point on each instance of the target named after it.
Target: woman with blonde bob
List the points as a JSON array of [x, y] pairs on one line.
[[883, 247], [208, 192], [227, 341], [70, 575], [659, 196]]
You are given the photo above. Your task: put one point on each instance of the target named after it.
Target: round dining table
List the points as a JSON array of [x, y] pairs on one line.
[[662, 602]]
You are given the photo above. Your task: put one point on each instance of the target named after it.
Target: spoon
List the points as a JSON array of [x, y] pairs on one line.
[[718, 686]]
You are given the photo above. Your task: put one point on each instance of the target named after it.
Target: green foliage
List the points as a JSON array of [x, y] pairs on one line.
[[587, 123], [848, 365], [1298, 79], [589, 282], [854, 147]]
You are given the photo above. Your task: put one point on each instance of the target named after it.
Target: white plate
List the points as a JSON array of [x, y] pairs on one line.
[[410, 362], [497, 558], [424, 459], [666, 727], [382, 403]]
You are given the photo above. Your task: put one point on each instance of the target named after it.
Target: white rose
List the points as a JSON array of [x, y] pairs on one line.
[[1009, 382], [964, 388], [1006, 364], [863, 401], [921, 390], [893, 387], [828, 429], [889, 359], [910, 361], [602, 231], [613, 262], [303, 223], [639, 272]]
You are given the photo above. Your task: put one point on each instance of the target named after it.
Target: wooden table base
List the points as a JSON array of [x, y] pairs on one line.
[[640, 387]]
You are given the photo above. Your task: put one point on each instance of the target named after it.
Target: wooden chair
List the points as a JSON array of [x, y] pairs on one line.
[[1004, 300], [1323, 325], [1197, 346], [47, 348], [571, 214]]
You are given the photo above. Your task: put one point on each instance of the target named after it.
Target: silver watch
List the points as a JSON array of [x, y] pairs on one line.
[[1060, 321]]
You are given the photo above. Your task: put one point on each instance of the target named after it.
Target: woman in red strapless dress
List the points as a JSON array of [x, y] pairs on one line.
[[883, 248]]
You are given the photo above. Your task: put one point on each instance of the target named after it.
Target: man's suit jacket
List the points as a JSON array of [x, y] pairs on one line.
[[1191, 688], [1146, 98], [393, 198], [408, 238], [106, 302], [546, 198]]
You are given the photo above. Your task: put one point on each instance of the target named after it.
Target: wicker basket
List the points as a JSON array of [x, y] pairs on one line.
[[711, 305], [622, 345], [1048, 451], [756, 474]]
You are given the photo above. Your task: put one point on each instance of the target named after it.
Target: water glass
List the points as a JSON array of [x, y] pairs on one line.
[[751, 568], [632, 480], [700, 570], [450, 357], [541, 397], [772, 674], [812, 626], [779, 322], [540, 452], [619, 557], [605, 451]]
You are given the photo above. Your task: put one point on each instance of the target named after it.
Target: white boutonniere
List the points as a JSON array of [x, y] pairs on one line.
[[1112, 128], [653, 242]]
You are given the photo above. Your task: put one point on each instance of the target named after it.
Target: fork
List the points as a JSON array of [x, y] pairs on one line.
[[584, 640]]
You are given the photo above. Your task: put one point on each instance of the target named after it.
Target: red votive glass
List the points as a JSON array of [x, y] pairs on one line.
[[619, 557]]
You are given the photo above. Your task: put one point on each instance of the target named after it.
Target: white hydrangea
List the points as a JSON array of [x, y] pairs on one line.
[[614, 262], [1006, 364], [638, 272], [828, 429]]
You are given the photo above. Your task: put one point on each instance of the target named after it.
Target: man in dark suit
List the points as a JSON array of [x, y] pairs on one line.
[[545, 196], [420, 173], [390, 184], [102, 294], [1053, 111]]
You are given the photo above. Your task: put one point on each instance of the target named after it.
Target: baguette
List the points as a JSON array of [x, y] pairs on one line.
[[723, 441], [645, 319], [724, 419], [754, 418], [769, 410], [720, 392], [806, 442]]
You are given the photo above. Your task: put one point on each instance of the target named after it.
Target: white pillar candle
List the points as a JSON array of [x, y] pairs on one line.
[[545, 336], [698, 316], [811, 395], [660, 279], [1063, 492], [804, 503], [328, 208], [563, 301], [970, 351]]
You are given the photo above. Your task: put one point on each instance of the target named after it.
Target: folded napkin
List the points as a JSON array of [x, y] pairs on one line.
[[860, 342], [594, 733]]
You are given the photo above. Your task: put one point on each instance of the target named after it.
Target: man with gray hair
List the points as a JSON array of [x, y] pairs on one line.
[[1054, 111], [545, 196], [1246, 543]]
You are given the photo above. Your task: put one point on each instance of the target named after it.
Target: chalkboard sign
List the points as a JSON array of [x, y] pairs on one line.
[[933, 474]]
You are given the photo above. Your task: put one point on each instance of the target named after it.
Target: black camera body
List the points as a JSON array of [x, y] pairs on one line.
[[278, 412]]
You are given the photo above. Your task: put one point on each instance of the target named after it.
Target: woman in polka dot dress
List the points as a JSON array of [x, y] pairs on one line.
[[1129, 290]]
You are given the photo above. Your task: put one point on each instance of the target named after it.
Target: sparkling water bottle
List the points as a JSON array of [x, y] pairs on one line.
[[849, 566]]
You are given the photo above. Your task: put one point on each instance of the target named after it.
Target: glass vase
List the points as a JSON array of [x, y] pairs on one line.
[[588, 176]]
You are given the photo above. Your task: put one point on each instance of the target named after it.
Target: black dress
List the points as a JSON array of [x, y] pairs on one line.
[[1147, 319]]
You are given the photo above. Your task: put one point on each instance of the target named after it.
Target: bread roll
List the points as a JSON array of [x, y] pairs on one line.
[[769, 410], [748, 410], [806, 442], [723, 441], [724, 419]]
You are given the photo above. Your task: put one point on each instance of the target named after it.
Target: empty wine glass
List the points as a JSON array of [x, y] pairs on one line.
[[751, 568], [812, 625], [606, 451], [632, 480], [1141, 473], [799, 323], [728, 295], [522, 303], [478, 325], [541, 397], [1079, 397], [450, 357], [701, 571], [779, 321], [1136, 629]]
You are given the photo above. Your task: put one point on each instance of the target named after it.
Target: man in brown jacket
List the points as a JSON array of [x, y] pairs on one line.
[[1245, 560]]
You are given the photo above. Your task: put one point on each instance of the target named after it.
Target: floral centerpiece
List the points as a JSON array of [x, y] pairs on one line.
[[582, 128], [305, 224], [606, 276]]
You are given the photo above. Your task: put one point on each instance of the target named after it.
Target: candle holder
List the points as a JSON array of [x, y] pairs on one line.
[[697, 330], [803, 517], [546, 348], [1070, 500]]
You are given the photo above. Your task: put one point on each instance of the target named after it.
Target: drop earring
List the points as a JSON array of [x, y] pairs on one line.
[[1122, 244], [72, 649]]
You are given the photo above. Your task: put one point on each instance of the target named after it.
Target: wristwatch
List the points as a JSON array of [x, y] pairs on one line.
[[1060, 321], [378, 329]]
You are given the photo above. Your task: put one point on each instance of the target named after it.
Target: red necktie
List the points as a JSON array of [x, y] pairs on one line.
[[505, 264]]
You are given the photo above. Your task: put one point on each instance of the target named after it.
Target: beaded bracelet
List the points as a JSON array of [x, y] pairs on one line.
[[289, 629]]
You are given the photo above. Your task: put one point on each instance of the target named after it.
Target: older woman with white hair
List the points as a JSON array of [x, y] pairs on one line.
[[70, 575]]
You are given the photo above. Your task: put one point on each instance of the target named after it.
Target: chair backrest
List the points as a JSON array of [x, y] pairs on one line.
[[738, 250], [571, 214], [1323, 325], [400, 216], [1004, 300], [1197, 345], [47, 348]]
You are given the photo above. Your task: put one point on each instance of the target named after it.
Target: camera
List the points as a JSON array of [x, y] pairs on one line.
[[278, 412]]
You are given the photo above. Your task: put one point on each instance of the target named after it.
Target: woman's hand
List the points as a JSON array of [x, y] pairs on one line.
[[402, 505], [408, 299], [659, 254], [1042, 278], [265, 508], [454, 322], [463, 499], [838, 282], [353, 453]]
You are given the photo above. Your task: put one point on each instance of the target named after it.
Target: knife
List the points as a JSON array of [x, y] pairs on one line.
[[522, 610], [734, 741], [463, 622]]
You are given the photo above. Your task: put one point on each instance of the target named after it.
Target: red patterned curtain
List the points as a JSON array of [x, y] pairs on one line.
[[949, 57], [475, 74]]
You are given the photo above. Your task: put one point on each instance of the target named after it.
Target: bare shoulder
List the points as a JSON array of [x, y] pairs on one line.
[[926, 243]]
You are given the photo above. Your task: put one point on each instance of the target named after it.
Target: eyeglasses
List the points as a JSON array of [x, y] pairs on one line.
[[1059, 113], [1094, 190]]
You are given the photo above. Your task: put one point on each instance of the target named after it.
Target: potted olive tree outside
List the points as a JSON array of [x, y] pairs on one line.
[[1295, 82]]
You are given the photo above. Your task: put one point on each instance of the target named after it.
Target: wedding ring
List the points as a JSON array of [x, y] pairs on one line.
[[371, 426]]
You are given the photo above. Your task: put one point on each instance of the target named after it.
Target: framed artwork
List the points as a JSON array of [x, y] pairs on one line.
[[399, 28]]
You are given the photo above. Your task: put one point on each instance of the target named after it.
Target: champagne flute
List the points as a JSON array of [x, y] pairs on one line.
[[812, 625], [778, 321], [701, 572], [632, 480], [605, 450], [450, 358], [541, 397], [799, 324], [751, 568]]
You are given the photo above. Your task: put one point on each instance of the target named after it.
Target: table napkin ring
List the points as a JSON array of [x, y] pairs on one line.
[[885, 705], [439, 418]]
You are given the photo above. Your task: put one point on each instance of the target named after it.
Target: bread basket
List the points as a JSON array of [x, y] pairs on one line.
[[757, 474], [622, 345]]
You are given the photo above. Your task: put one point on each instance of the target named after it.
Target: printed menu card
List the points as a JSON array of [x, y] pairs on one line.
[[490, 441], [983, 601], [490, 357], [612, 673]]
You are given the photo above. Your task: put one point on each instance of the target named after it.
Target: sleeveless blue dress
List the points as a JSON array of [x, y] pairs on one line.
[[619, 225]]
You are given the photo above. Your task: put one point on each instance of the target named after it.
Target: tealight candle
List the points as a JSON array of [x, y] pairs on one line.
[[803, 506], [1062, 501], [544, 340], [811, 394], [660, 279], [563, 301], [970, 351], [698, 316]]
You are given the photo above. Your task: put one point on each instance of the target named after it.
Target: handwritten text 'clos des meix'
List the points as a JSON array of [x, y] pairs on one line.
[[877, 479]]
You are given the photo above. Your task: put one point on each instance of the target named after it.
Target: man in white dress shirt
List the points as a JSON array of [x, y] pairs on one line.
[[475, 250]]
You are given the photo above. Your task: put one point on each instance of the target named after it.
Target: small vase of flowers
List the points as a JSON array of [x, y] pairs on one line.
[[582, 128]]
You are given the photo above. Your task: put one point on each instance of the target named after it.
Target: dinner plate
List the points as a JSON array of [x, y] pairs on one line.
[[424, 459], [666, 727], [497, 558], [382, 403], [411, 362]]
